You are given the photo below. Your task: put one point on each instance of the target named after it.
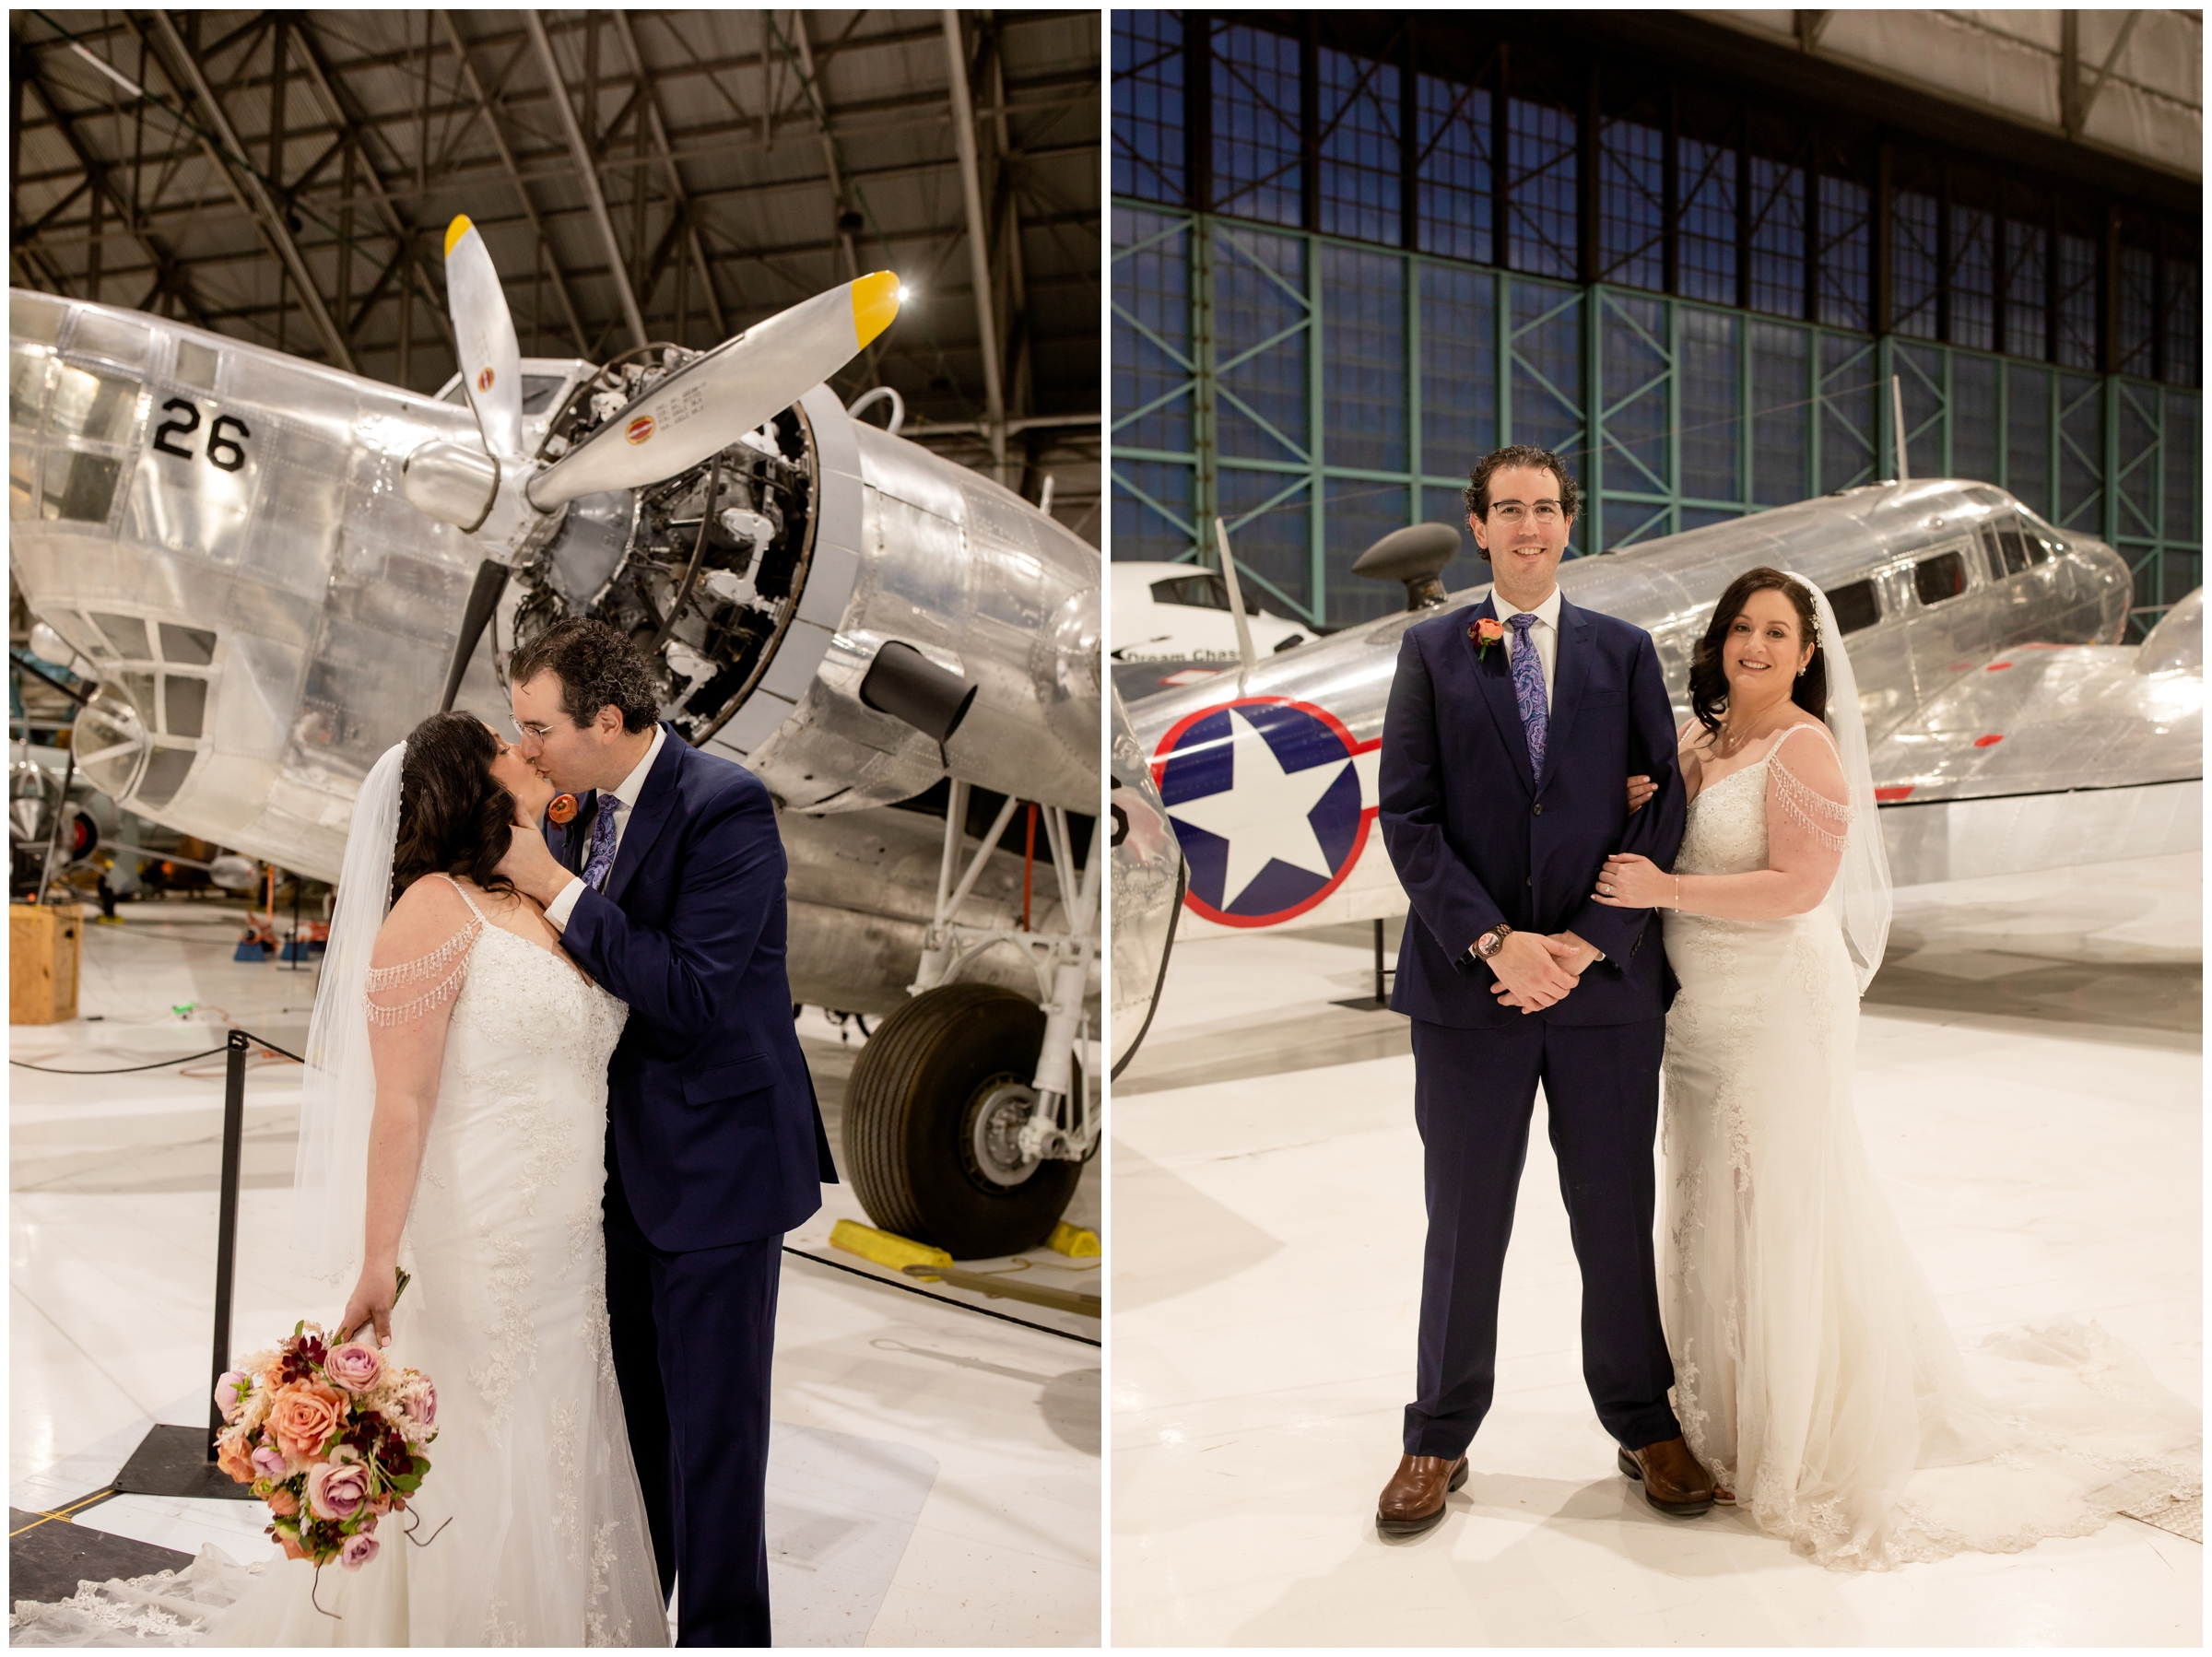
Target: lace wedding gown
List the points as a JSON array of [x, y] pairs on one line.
[[544, 1540], [1814, 1374]]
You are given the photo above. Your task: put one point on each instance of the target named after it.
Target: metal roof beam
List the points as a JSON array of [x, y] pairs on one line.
[[350, 132], [658, 131], [172, 276], [514, 176], [979, 257], [271, 222], [588, 172]]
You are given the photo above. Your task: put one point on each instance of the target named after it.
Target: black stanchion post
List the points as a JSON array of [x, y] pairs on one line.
[[180, 1460], [1382, 995], [226, 1234]]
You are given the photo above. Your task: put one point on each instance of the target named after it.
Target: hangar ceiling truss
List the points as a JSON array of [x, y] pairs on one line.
[[285, 178]]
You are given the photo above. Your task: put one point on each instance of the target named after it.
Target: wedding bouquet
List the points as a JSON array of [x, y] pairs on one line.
[[331, 1435]]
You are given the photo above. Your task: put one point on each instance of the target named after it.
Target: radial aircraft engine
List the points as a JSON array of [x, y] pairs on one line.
[[280, 568], [2009, 729]]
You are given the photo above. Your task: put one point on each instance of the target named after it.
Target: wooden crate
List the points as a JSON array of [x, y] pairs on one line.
[[42, 948]]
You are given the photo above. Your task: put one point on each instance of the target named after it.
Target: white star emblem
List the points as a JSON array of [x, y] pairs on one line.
[[1264, 812]]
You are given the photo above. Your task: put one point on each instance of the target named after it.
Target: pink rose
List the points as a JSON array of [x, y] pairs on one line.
[[228, 1392], [354, 1367], [337, 1489], [419, 1403], [361, 1547], [269, 1461]]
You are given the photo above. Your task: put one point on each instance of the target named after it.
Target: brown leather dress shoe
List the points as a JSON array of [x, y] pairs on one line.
[[1414, 1499], [1671, 1479]]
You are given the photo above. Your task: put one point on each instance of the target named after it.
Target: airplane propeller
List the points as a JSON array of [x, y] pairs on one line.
[[491, 357], [694, 412], [703, 406]]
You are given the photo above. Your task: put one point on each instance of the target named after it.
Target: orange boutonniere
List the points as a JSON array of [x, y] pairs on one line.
[[1487, 630]]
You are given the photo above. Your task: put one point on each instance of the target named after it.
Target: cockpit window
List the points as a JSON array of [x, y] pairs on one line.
[[1936, 578], [1856, 606], [2021, 546], [537, 392], [1204, 591]]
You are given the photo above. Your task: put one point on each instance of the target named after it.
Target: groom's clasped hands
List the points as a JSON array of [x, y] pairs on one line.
[[1535, 970]]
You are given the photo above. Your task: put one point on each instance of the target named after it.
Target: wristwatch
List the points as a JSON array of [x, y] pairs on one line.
[[1491, 942]]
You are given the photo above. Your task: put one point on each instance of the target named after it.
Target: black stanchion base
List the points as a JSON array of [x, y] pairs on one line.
[[48, 1557], [172, 1461]]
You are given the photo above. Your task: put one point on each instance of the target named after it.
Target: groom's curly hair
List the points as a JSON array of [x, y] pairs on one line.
[[597, 667], [454, 817], [1477, 492], [1709, 680]]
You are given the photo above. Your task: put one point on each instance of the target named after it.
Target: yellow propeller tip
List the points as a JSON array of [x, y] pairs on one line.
[[455, 231], [874, 303]]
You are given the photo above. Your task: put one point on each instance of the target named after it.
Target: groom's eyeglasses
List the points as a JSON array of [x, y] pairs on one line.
[[1512, 511], [522, 728]]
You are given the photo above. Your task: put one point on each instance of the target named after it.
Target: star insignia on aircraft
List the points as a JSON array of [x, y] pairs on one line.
[[1266, 799]]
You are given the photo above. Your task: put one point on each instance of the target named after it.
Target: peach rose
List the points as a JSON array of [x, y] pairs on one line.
[[289, 1539], [301, 1416], [233, 1458], [282, 1502]]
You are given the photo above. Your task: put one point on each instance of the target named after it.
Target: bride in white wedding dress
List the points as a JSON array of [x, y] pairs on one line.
[[453, 1126], [1814, 1374]]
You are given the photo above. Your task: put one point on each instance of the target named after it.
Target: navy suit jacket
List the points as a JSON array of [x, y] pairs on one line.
[[1477, 838], [712, 1120]]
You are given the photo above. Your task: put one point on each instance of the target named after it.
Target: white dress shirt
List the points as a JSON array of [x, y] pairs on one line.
[[621, 802], [1544, 635]]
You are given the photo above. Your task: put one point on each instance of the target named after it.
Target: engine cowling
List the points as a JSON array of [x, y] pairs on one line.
[[768, 580]]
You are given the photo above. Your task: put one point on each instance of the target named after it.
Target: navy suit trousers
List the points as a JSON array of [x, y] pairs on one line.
[[693, 1334], [1473, 1092]]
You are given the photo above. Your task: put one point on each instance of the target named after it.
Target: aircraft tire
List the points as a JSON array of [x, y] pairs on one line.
[[909, 1119]]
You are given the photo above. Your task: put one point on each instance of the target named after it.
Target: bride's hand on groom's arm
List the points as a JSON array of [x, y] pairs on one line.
[[1628, 881], [1641, 790]]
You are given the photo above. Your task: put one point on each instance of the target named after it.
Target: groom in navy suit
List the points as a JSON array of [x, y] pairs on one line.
[[1513, 727], [669, 889]]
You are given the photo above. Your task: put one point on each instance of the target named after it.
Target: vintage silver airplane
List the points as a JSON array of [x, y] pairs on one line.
[[2010, 728], [274, 568]]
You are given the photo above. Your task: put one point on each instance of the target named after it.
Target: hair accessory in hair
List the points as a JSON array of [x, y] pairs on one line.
[[562, 810]]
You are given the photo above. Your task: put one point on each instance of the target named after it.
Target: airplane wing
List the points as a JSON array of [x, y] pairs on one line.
[[2045, 756]]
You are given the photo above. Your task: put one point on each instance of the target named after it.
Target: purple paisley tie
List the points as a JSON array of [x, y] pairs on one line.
[[1528, 688], [603, 845]]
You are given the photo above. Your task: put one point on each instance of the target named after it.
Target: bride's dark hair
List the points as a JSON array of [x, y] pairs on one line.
[[1709, 681], [454, 817]]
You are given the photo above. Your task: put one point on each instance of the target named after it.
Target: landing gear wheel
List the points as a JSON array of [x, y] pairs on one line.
[[926, 1113]]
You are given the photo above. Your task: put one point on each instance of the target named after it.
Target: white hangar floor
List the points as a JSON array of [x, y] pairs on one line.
[[934, 1475], [2031, 1089]]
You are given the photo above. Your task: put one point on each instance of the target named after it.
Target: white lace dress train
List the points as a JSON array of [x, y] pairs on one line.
[[1814, 1373], [535, 1529]]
